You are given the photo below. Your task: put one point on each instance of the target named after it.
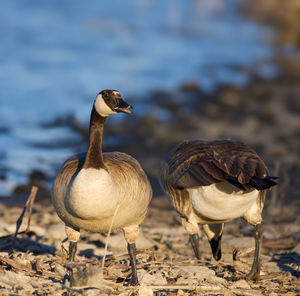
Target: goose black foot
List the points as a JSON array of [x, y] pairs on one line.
[[215, 244], [194, 239], [132, 254], [253, 275], [72, 250], [255, 270]]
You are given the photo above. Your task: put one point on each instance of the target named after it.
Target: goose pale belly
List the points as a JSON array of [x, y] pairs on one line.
[[92, 198], [221, 201]]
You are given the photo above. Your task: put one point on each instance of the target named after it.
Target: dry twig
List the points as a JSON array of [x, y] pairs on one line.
[[28, 269], [29, 203], [237, 253]]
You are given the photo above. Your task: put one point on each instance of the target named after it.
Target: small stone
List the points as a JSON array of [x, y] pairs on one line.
[[144, 290], [217, 280], [151, 279], [241, 284]]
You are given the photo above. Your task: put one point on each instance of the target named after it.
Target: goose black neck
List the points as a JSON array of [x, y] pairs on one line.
[[94, 156]]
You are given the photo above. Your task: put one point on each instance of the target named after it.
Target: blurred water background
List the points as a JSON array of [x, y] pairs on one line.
[[56, 55]]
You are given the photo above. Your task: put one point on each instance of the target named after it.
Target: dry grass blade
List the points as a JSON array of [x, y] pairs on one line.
[[108, 235], [29, 203]]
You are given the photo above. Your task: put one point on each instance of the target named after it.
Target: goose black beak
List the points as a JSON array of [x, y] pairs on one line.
[[122, 106]]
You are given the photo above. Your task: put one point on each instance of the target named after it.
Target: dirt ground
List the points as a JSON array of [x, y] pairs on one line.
[[166, 264]]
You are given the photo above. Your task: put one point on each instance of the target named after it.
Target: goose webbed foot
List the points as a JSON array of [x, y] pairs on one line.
[[194, 239], [132, 254], [255, 270], [215, 244]]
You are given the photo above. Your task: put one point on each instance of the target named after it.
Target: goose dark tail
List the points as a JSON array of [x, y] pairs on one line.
[[262, 184]]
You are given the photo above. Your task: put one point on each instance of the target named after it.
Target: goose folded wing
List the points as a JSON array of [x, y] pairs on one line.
[[204, 163]]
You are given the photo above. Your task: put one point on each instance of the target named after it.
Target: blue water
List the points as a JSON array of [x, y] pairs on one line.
[[56, 55]]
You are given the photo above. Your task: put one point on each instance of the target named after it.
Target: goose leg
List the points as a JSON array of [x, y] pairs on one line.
[[194, 239], [131, 233], [214, 234], [192, 228], [72, 251], [255, 270], [73, 236], [132, 254]]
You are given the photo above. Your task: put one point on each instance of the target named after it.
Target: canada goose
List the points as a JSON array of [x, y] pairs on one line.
[[93, 188], [212, 182]]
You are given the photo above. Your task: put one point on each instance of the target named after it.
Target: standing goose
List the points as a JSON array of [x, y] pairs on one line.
[[93, 187], [213, 182]]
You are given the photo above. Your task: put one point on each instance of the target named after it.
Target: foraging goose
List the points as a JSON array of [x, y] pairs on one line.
[[213, 182], [93, 189]]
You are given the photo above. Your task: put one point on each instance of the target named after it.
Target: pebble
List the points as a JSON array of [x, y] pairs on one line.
[[144, 290], [156, 279], [240, 284]]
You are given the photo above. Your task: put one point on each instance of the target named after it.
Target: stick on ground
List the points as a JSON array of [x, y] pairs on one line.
[[29, 203]]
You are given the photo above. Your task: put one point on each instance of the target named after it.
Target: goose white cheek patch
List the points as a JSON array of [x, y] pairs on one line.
[[102, 108]]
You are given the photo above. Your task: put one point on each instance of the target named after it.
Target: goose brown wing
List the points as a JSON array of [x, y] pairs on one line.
[[200, 163]]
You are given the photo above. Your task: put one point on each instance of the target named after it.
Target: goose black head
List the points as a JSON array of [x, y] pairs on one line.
[[110, 102]]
